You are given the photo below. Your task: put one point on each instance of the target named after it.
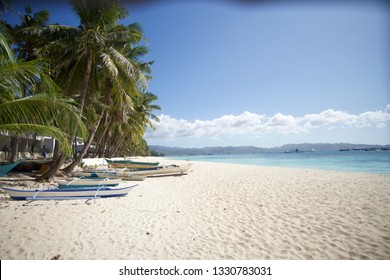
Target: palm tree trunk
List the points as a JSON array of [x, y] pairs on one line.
[[32, 149], [84, 85], [23, 145], [83, 94], [108, 102], [101, 143], [14, 148], [56, 152], [78, 159], [105, 149], [102, 136], [118, 143], [53, 169]]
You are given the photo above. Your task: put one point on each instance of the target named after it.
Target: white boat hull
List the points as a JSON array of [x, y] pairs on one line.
[[121, 175], [160, 170], [76, 193], [87, 182]]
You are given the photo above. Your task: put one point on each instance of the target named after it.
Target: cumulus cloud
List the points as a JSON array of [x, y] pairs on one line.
[[255, 125]]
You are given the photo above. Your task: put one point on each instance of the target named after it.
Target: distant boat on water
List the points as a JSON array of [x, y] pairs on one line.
[[293, 151]]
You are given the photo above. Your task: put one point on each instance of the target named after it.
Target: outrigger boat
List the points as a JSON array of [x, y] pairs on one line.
[[92, 173], [124, 175], [86, 182], [130, 163], [159, 170], [111, 173], [71, 193]]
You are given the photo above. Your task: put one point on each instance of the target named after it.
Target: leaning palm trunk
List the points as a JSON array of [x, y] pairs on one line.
[[117, 145], [83, 93], [84, 86], [101, 142], [78, 159], [105, 146], [56, 152], [54, 168]]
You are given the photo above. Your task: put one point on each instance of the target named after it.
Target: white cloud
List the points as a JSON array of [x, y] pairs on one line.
[[326, 118], [282, 124], [253, 125]]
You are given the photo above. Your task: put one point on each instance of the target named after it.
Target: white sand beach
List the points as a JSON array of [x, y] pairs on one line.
[[217, 211]]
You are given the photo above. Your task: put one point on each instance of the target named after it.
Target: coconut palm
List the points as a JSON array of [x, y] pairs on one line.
[[124, 136], [43, 114], [89, 60], [26, 45], [24, 48], [80, 53], [40, 114]]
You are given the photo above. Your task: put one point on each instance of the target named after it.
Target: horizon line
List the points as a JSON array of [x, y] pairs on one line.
[[246, 146]]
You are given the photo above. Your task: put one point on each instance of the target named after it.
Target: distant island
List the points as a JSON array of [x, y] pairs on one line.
[[288, 148]]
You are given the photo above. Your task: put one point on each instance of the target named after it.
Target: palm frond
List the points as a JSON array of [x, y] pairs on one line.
[[129, 67], [16, 77], [109, 64], [5, 50], [44, 110]]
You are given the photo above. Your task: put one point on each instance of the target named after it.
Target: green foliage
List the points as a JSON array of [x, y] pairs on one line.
[[42, 113], [156, 154], [137, 147], [97, 64]]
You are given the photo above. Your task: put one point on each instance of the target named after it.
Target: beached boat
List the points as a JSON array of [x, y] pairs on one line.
[[5, 168], [134, 178], [172, 169], [158, 170], [124, 175], [73, 193], [130, 163], [93, 172], [86, 182]]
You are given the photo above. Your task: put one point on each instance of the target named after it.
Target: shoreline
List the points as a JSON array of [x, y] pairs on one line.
[[217, 211]]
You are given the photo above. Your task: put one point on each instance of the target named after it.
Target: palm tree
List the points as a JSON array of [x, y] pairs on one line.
[[25, 47], [121, 78], [42, 113], [137, 119], [88, 59]]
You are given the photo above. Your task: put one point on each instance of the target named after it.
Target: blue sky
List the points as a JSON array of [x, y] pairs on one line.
[[266, 74]]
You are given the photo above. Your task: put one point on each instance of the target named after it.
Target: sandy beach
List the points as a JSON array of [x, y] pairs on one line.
[[217, 211]]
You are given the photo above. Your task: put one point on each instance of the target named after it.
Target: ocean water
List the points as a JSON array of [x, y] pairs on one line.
[[348, 161]]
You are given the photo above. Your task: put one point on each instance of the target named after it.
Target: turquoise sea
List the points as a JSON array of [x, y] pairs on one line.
[[350, 161]]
